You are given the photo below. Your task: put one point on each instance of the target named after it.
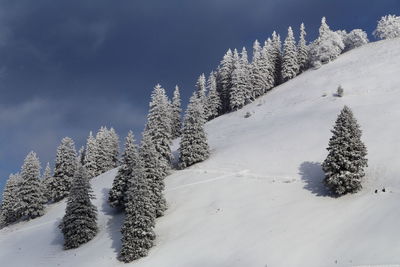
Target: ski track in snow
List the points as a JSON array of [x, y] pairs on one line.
[[245, 174]]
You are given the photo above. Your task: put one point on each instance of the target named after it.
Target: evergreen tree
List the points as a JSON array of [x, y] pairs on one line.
[[114, 147], [79, 224], [276, 57], [388, 27], [237, 97], [346, 160], [328, 46], [248, 92], [213, 99], [193, 146], [262, 69], [91, 156], [10, 206], [176, 114], [130, 158], [158, 126], [156, 168], [256, 71], [302, 50], [290, 66], [30, 190], [81, 155], [46, 181], [107, 148], [138, 228], [224, 80], [64, 170], [201, 87]]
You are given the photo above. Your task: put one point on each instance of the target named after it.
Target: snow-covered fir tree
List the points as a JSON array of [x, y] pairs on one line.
[[10, 209], [276, 57], [130, 158], [328, 46], [224, 80], [91, 156], [256, 71], [114, 147], [354, 39], [81, 155], [176, 114], [30, 189], [201, 87], [138, 229], [158, 126], [346, 160], [302, 50], [388, 27], [107, 149], [290, 66], [237, 93], [46, 181], [193, 146], [245, 65], [79, 224], [213, 99], [156, 168], [64, 170]]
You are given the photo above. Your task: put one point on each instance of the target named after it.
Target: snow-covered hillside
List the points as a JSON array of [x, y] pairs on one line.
[[258, 200]]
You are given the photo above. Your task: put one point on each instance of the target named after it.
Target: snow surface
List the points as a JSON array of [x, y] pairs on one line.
[[258, 200]]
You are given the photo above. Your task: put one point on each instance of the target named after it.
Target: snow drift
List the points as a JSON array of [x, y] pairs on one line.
[[258, 200]]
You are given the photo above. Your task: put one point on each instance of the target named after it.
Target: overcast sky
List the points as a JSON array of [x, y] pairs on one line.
[[68, 67]]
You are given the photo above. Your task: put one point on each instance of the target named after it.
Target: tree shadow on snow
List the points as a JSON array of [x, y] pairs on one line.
[[312, 174], [114, 223]]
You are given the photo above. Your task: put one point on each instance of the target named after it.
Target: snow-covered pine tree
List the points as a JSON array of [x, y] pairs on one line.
[[346, 160], [256, 71], [248, 92], [176, 114], [91, 156], [64, 170], [11, 206], [213, 99], [130, 158], [138, 228], [114, 147], [201, 87], [237, 98], [388, 27], [158, 126], [290, 66], [324, 28], [328, 46], [156, 168], [302, 50], [81, 155], [106, 150], [193, 146], [224, 80], [46, 180], [267, 67], [354, 39], [276, 57], [30, 189], [79, 224]]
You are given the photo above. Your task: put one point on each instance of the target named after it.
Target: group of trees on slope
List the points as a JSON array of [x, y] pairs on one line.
[[138, 183], [138, 186]]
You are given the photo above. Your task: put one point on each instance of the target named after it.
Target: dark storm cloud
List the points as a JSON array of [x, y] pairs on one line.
[[68, 67]]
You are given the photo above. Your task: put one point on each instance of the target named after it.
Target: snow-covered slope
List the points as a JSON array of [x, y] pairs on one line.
[[258, 200]]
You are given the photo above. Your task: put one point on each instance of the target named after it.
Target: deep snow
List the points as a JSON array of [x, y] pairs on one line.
[[258, 200]]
